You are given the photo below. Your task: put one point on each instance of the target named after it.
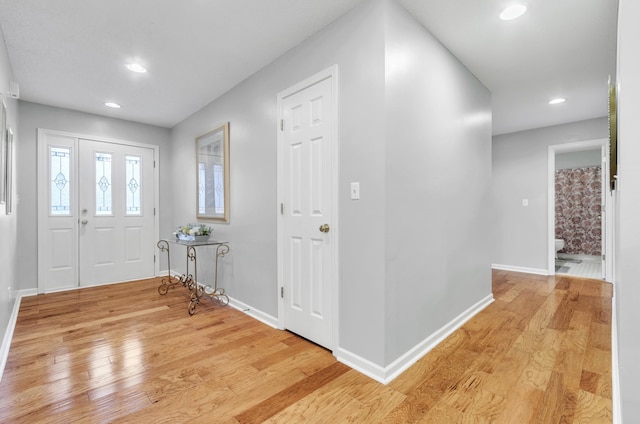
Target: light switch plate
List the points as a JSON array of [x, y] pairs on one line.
[[355, 191]]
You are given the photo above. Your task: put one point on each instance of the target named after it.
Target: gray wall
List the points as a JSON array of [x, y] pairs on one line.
[[520, 171], [8, 226], [403, 271], [628, 230], [581, 159], [34, 116], [355, 43], [438, 185]]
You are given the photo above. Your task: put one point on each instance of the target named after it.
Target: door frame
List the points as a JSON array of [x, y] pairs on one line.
[[328, 73], [41, 191], [607, 238]]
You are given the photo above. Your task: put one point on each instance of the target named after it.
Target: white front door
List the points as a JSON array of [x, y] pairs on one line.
[[307, 221], [96, 213], [57, 220], [116, 229]]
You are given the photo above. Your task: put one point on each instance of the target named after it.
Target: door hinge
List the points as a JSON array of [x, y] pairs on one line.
[[603, 257], [281, 208], [154, 259], [282, 292], [154, 163], [282, 125], [154, 211]]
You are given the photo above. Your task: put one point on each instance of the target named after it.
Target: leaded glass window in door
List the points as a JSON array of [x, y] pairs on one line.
[[133, 185], [104, 194], [60, 192]]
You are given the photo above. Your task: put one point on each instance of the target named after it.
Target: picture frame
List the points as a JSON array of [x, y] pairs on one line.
[[212, 175]]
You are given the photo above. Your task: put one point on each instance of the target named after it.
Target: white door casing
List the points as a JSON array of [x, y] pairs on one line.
[[604, 173], [76, 247], [608, 204], [307, 188]]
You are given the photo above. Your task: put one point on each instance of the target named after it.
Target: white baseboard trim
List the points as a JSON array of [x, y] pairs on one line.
[[263, 317], [27, 293], [538, 271], [615, 370], [386, 374], [361, 365], [11, 325]]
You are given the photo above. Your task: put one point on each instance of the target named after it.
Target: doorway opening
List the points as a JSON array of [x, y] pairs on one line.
[[580, 210]]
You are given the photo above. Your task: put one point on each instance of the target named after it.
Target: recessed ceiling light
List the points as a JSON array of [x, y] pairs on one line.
[[136, 67], [112, 105], [557, 101], [512, 12]]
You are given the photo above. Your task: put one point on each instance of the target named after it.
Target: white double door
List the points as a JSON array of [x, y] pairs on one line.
[[96, 212]]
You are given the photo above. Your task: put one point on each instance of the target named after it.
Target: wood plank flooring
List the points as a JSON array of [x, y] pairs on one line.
[[541, 353]]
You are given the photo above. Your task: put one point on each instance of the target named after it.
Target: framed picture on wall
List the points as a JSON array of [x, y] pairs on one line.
[[3, 151]]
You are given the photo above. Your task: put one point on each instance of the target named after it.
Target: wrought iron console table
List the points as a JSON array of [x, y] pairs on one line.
[[190, 281]]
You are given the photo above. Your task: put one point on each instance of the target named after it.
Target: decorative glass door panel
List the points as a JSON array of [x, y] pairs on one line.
[[60, 169], [134, 188], [104, 193]]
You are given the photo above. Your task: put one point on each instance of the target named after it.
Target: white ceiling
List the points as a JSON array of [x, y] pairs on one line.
[[71, 53]]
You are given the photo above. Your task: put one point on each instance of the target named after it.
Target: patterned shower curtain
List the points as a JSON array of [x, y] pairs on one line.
[[578, 210]]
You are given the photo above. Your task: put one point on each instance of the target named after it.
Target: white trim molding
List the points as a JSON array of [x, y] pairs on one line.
[[615, 370], [387, 374], [537, 271], [254, 313], [11, 325]]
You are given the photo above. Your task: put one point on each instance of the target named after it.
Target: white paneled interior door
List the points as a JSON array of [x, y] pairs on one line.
[[306, 234], [96, 213]]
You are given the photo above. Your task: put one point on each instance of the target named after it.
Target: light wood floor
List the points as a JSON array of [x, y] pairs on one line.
[[541, 353]]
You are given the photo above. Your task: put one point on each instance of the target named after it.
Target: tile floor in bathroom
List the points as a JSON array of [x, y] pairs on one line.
[[587, 266]]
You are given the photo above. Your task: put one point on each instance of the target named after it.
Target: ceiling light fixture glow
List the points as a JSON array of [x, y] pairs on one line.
[[557, 101], [112, 105], [136, 67], [513, 12]]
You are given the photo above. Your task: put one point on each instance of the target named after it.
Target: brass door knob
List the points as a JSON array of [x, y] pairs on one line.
[[324, 228]]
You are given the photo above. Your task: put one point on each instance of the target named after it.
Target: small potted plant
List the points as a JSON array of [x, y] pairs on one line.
[[193, 232]]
